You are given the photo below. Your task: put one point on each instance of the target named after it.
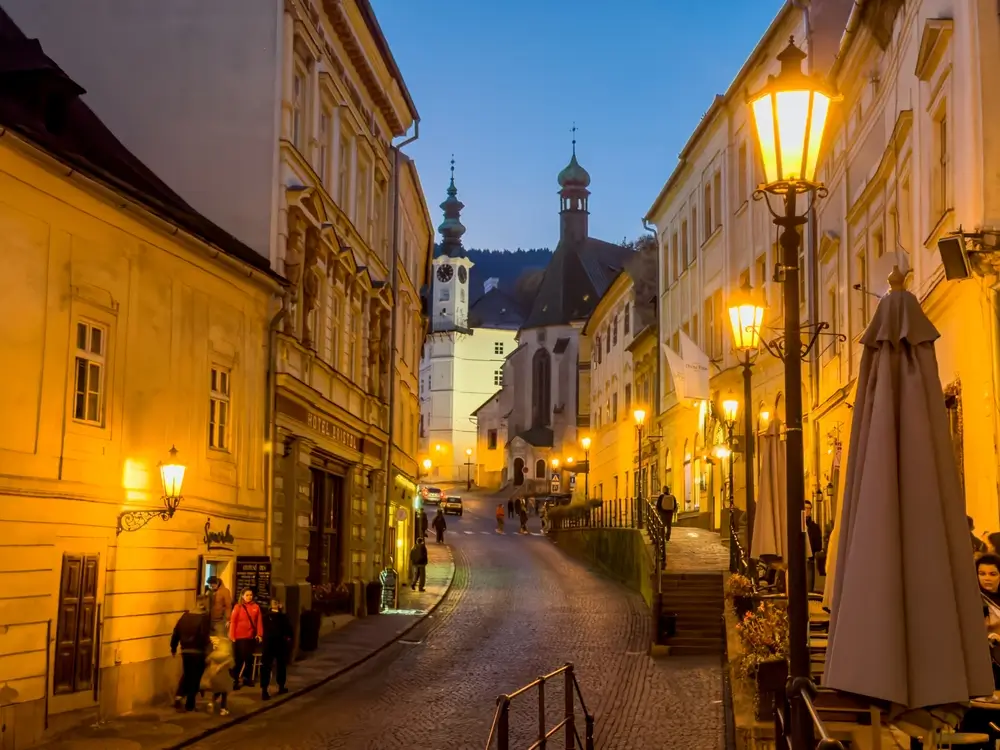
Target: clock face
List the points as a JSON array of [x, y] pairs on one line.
[[444, 273], [462, 275]]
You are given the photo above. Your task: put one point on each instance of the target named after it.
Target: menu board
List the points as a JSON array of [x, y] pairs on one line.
[[254, 573]]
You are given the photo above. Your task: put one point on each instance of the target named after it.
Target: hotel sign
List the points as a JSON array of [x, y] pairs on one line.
[[317, 423]]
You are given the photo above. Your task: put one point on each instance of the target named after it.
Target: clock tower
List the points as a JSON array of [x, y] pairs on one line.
[[450, 297]]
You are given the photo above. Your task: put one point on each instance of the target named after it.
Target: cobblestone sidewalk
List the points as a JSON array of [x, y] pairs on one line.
[[163, 727], [693, 550]]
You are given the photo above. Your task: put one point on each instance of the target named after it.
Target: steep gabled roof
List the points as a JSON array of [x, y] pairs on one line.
[[41, 103], [496, 309], [574, 281]]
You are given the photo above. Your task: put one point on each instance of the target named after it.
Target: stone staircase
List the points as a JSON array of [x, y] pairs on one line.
[[697, 599]]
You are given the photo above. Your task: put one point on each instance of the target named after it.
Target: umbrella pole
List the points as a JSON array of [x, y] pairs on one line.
[[798, 603]]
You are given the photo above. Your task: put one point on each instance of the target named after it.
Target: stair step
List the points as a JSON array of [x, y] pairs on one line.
[[695, 650]]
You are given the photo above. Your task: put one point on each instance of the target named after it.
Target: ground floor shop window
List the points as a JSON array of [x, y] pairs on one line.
[[75, 632], [325, 528]]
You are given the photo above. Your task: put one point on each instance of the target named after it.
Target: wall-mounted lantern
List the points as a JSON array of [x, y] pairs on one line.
[[172, 479]]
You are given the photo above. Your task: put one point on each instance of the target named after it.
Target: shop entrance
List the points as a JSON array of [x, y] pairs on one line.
[[325, 533]]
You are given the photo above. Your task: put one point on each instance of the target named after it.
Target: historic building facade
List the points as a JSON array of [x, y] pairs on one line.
[[297, 162], [464, 353], [908, 162], [713, 239], [132, 325], [540, 394]]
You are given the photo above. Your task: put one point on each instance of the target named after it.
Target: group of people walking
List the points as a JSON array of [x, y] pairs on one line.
[[218, 641], [517, 507]]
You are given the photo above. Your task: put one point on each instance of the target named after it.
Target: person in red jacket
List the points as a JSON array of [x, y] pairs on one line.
[[246, 630]]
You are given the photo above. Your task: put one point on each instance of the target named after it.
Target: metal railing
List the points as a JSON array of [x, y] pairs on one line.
[[500, 729], [620, 513], [801, 689]]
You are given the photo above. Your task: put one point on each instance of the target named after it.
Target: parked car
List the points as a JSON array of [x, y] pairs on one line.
[[452, 504], [430, 495]]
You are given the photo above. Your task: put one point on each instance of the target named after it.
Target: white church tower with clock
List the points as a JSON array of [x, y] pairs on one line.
[[463, 356]]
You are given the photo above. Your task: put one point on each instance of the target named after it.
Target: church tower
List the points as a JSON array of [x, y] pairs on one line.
[[450, 296], [573, 201]]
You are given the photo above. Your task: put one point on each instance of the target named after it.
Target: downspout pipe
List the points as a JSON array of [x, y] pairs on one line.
[[656, 386], [397, 161], [270, 420]]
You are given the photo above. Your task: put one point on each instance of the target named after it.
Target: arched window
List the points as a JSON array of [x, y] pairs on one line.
[[540, 468], [541, 389]]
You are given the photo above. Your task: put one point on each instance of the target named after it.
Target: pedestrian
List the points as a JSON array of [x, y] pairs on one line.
[[418, 564], [500, 518], [278, 637], [978, 545], [191, 633], [510, 508], [545, 518], [217, 677], [246, 630], [439, 526], [422, 523], [523, 516], [666, 506], [221, 599], [814, 551]]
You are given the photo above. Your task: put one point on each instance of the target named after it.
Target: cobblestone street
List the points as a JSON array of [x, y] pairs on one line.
[[518, 608]]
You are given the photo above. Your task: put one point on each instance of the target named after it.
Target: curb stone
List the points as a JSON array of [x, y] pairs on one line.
[[277, 702]]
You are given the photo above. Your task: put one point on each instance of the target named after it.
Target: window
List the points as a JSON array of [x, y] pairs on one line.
[[831, 297], [88, 397], [684, 247], [614, 406], [940, 197], [597, 349], [498, 347], [717, 195], [541, 389], [218, 409], [628, 397], [540, 469], [498, 378], [719, 321], [378, 211], [675, 263], [693, 247], [336, 315], [878, 242], [298, 105], [710, 329], [762, 270], [607, 342], [626, 322], [323, 154], [73, 666], [709, 227], [614, 331], [352, 346], [742, 174], [344, 167], [361, 211], [862, 272], [491, 440]]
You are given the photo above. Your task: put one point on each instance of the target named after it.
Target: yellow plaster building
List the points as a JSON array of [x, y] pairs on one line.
[[131, 324]]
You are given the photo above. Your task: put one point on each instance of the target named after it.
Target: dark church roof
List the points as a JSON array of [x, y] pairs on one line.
[[539, 437], [574, 281], [42, 104], [495, 309]]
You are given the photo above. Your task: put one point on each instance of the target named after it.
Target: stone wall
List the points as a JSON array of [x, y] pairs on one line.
[[623, 554]]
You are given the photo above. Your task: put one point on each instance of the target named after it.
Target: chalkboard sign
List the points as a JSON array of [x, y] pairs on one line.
[[254, 573], [389, 579]]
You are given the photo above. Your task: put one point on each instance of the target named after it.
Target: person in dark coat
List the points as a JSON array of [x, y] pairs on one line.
[[510, 508], [418, 564], [278, 637], [815, 554], [192, 633], [422, 523], [666, 506], [522, 515], [440, 525]]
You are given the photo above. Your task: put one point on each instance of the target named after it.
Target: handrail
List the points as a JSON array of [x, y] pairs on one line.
[[803, 689], [500, 729]]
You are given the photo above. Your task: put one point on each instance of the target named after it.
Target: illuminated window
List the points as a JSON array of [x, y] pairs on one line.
[[88, 396], [218, 409]]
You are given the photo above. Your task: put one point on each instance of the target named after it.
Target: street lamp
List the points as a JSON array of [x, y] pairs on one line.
[[172, 480], [746, 314], [640, 417], [789, 115], [468, 469], [730, 407], [586, 457], [427, 466]]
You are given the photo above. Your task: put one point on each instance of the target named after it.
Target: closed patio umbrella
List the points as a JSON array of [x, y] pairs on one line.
[[906, 622], [769, 527]]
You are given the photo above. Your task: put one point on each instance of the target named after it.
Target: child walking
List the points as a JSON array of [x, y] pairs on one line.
[[217, 678], [500, 517]]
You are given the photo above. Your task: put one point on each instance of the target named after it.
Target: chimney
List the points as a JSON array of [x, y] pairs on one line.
[[491, 283]]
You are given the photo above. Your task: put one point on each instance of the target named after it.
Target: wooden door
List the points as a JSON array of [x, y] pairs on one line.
[[74, 658]]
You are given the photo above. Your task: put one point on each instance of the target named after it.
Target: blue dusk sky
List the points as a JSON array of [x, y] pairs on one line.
[[500, 84]]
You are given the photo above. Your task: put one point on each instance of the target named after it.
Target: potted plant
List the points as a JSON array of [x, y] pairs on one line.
[[739, 591], [763, 634]]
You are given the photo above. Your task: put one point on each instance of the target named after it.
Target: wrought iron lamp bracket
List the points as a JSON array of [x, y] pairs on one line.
[[133, 520], [777, 347]]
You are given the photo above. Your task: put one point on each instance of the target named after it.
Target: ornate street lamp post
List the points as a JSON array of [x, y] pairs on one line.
[[789, 115], [172, 480], [586, 477], [729, 409], [746, 315], [468, 469], [640, 417]]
